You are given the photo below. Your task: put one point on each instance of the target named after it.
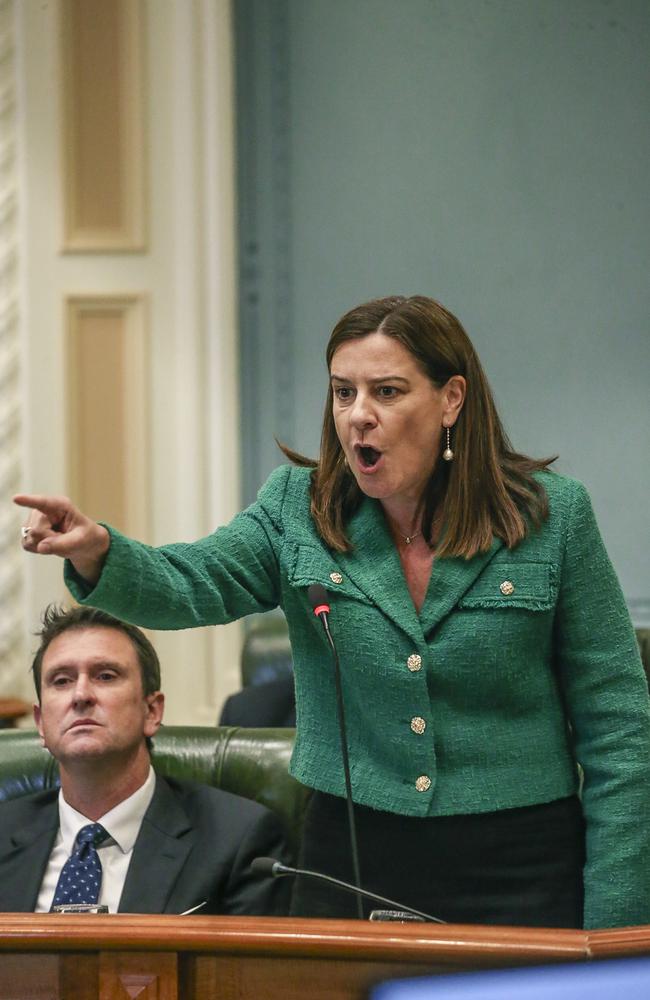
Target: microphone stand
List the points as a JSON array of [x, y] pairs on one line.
[[318, 599]]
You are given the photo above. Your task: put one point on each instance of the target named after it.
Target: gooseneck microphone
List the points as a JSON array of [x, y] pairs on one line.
[[269, 866], [317, 596]]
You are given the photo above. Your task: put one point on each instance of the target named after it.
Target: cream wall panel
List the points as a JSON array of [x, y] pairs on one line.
[[186, 278], [107, 410], [102, 59]]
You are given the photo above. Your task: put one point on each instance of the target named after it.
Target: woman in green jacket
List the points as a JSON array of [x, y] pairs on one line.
[[487, 654]]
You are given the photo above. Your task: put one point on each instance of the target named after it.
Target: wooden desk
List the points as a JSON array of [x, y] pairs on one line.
[[12, 709], [235, 958]]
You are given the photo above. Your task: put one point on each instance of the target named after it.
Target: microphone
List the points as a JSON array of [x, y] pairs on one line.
[[269, 866], [317, 596]]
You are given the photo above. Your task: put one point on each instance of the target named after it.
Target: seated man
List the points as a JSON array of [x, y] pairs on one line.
[[117, 834]]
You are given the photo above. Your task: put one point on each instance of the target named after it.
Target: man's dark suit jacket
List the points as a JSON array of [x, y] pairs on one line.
[[196, 843], [272, 703]]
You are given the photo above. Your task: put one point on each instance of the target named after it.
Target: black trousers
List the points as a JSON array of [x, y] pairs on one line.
[[518, 867]]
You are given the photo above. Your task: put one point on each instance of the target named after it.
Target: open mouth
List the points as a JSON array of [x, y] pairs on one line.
[[368, 457]]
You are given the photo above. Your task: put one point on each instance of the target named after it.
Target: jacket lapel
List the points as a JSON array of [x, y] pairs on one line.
[[25, 853], [159, 854], [374, 567], [450, 580]]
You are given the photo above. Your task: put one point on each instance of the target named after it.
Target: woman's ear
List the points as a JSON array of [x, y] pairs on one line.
[[454, 391]]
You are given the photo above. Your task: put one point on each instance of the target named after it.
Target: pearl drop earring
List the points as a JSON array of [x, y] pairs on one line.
[[448, 453]]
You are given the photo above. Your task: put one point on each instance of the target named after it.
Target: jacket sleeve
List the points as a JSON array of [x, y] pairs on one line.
[[228, 574], [608, 707], [247, 892]]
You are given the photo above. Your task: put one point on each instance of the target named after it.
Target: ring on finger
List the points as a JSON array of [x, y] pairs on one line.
[[24, 532]]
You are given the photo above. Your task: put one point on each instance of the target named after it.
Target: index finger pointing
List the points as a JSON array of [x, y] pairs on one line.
[[51, 506]]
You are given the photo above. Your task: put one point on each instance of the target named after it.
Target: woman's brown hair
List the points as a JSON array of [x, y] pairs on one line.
[[487, 490]]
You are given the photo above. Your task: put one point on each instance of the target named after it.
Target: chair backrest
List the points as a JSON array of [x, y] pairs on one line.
[[266, 652], [249, 762]]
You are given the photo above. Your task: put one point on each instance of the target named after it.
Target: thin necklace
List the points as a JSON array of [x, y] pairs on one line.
[[416, 534]]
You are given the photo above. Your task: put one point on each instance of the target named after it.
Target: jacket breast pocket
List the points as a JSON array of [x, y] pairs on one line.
[[526, 585], [313, 565]]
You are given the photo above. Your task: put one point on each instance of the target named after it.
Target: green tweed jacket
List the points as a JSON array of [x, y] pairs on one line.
[[521, 664]]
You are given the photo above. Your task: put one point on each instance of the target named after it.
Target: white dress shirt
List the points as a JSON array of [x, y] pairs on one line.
[[122, 823]]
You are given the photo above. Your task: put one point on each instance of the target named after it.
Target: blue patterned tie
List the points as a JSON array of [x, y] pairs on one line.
[[81, 876]]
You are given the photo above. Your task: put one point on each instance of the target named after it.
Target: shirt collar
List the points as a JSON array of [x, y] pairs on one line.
[[122, 823]]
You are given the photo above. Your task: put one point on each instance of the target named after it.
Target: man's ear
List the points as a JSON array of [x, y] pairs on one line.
[[155, 708], [38, 719]]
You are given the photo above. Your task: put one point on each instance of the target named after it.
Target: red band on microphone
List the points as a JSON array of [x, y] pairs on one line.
[[321, 608]]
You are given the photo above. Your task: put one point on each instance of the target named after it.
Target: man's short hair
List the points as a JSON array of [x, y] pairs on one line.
[[57, 620]]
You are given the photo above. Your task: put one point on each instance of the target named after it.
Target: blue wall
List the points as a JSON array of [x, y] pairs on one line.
[[491, 153]]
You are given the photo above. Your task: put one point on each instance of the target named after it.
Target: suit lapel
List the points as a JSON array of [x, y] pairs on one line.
[[450, 580], [25, 853], [159, 854], [374, 567]]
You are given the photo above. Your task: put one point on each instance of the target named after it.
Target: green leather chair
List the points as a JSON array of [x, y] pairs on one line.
[[250, 762], [266, 652]]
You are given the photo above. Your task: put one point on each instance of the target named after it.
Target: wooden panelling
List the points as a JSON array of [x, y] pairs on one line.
[[107, 397], [162, 957], [103, 125], [127, 975]]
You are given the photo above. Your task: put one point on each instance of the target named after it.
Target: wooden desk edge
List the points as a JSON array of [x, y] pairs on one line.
[[281, 936]]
